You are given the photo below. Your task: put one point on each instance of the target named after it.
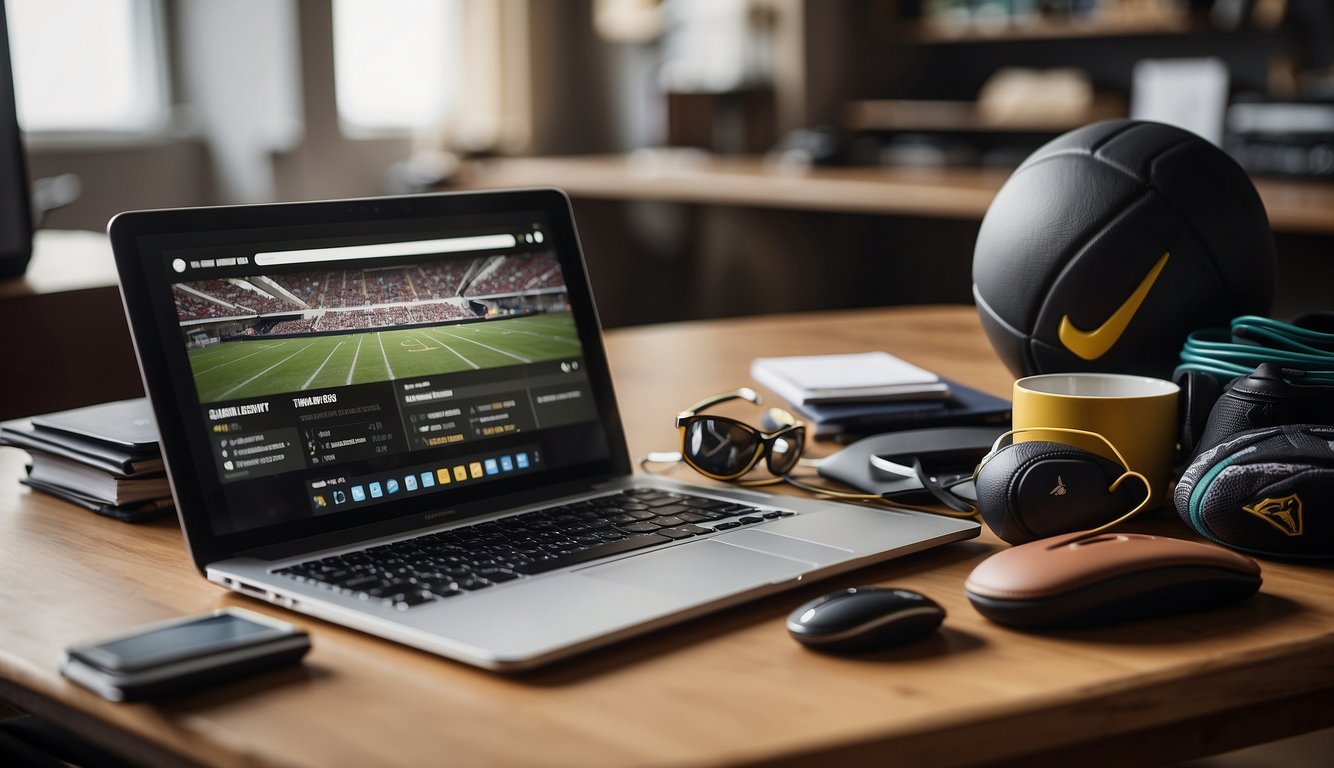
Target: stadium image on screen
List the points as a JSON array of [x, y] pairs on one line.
[[292, 331]]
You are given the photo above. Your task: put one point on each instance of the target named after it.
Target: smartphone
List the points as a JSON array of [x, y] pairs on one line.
[[183, 655]]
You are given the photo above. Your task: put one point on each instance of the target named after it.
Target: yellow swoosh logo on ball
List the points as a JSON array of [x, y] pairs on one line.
[[1091, 345]]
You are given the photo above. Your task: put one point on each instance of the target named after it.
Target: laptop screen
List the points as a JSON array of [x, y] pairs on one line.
[[338, 373]]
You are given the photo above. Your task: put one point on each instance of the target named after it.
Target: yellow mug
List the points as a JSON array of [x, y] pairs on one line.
[[1137, 414]]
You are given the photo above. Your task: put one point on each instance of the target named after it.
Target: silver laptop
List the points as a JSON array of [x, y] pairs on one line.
[[396, 414]]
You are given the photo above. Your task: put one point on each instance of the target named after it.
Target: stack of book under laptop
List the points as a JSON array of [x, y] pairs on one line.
[[844, 397], [104, 458]]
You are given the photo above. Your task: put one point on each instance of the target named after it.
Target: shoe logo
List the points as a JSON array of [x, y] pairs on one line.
[[1284, 514], [1091, 345], [1059, 490]]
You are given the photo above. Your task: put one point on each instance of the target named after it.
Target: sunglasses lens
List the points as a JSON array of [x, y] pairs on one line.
[[719, 447], [785, 451]]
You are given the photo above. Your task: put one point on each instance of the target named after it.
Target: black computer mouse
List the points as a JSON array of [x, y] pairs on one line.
[[864, 619], [1075, 581]]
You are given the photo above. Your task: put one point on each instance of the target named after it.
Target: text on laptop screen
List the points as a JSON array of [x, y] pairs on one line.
[[341, 373]]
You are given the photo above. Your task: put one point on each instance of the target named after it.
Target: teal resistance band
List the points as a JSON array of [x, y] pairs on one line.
[[1252, 340]]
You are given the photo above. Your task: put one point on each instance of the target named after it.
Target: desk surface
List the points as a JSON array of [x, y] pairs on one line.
[[727, 689], [952, 193]]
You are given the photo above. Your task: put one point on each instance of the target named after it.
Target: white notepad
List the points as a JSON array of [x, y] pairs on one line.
[[863, 377]]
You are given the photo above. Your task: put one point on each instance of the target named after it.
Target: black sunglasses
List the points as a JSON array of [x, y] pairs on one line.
[[725, 449]]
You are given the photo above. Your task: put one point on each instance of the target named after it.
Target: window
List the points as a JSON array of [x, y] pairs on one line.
[[88, 65], [395, 63]]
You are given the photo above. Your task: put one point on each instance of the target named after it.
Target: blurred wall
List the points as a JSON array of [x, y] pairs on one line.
[[255, 117]]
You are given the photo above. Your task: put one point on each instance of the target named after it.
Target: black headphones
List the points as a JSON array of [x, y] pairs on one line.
[[1034, 489], [1023, 491]]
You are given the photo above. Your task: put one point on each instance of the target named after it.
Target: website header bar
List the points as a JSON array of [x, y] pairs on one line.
[[386, 250]]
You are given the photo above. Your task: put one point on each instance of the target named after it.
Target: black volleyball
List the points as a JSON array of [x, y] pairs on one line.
[[1111, 243]]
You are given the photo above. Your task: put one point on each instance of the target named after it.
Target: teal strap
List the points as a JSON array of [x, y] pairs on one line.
[[1252, 340]]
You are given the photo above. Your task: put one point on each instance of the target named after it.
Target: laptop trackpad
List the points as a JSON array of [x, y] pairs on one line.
[[702, 568], [784, 546]]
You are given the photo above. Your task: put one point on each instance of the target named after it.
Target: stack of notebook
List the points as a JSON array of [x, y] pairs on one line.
[[104, 458], [845, 397]]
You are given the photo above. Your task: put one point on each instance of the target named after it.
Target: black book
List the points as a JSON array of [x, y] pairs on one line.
[[133, 512], [964, 407], [96, 483], [119, 437], [104, 458], [128, 424], [109, 457]]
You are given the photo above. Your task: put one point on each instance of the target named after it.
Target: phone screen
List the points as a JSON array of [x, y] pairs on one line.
[[179, 641]]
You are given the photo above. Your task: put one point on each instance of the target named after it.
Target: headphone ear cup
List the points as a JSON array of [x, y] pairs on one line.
[[1036, 489]]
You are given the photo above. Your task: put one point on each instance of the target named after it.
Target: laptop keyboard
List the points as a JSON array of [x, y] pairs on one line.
[[440, 565]]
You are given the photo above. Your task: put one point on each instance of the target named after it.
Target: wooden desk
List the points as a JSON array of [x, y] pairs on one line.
[[730, 689]]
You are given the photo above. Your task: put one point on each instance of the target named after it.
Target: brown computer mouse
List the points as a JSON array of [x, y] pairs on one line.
[[1068, 581]]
